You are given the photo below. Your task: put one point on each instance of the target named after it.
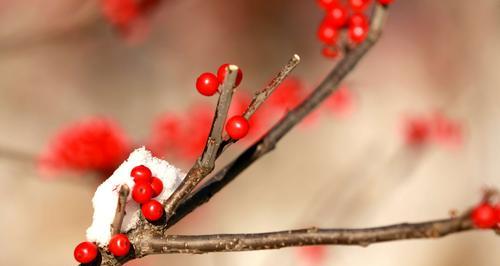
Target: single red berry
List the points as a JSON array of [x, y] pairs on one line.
[[85, 252], [221, 75], [358, 33], [327, 32], [207, 84], [141, 173], [337, 15], [152, 210], [484, 216], [326, 4], [119, 245], [358, 19], [142, 192], [385, 2], [330, 51], [359, 5], [157, 186], [237, 127]]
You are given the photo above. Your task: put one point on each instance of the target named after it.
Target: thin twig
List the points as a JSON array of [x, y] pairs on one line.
[[206, 163], [261, 96], [304, 237], [141, 236], [17, 155], [267, 143], [120, 209]]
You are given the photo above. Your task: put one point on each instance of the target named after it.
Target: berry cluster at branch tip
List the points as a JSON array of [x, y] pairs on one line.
[[343, 18], [207, 84], [146, 187]]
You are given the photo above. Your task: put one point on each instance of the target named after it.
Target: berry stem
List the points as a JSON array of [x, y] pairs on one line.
[[120, 209], [261, 96], [206, 162], [267, 143]]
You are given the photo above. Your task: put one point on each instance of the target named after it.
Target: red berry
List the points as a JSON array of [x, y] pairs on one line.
[[484, 217], [358, 19], [359, 5], [207, 84], [329, 51], [385, 2], [152, 210], [358, 33], [327, 32], [337, 15], [237, 127], [141, 174], [85, 252], [221, 75], [119, 245], [326, 4], [142, 192], [157, 186]]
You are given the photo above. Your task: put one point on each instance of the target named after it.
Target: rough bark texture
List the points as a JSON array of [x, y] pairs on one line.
[[311, 236]]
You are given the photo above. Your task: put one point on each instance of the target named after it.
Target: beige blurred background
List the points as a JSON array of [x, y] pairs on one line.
[[59, 61]]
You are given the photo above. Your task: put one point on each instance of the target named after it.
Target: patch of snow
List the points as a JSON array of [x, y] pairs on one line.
[[105, 199]]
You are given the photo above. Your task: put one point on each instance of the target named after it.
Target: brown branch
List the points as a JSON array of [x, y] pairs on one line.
[[261, 96], [269, 140], [206, 162], [304, 237], [120, 209], [142, 236], [17, 155]]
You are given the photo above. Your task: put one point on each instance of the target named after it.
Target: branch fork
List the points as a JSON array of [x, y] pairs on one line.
[[149, 239]]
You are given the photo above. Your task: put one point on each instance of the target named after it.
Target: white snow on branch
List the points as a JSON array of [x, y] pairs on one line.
[[105, 199]]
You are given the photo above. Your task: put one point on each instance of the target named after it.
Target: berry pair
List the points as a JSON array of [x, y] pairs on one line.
[[486, 216], [87, 252], [208, 83], [147, 187]]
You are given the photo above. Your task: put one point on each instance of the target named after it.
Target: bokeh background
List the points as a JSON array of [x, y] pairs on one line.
[[60, 61]]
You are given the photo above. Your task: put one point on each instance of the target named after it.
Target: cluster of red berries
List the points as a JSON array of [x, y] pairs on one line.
[[422, 129], [207, 84], [96, 144], [339, 15], [146, 187], [486, 216]]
